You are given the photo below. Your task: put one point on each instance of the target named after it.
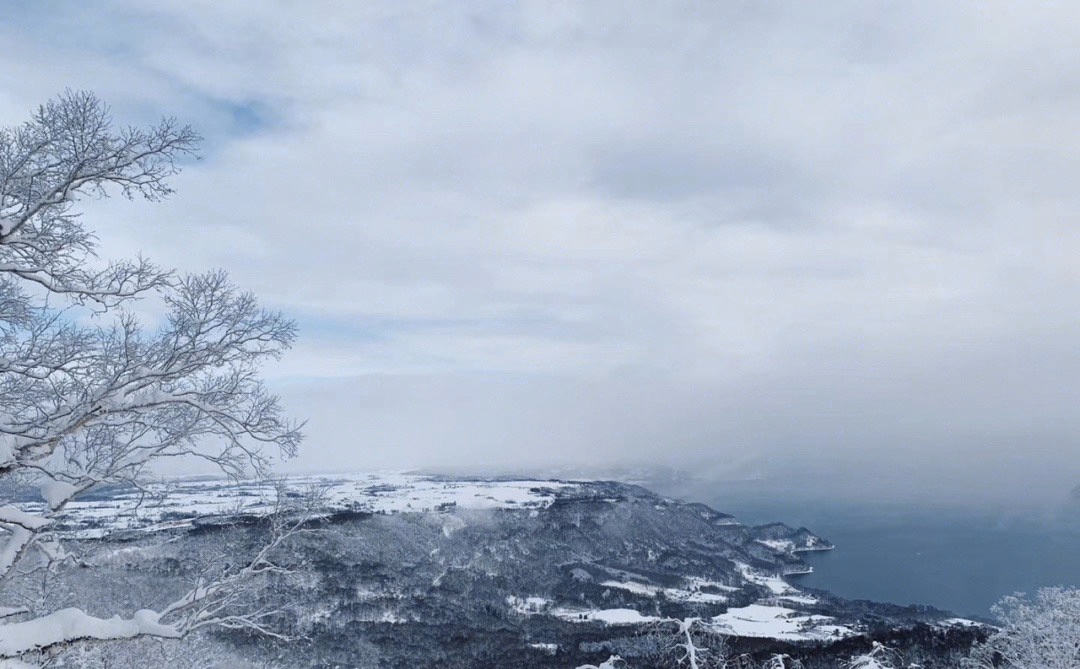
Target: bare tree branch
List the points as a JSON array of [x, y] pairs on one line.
[[91, 397], [690, 642]]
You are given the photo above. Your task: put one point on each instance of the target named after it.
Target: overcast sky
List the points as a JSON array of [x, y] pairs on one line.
[[834, 239]]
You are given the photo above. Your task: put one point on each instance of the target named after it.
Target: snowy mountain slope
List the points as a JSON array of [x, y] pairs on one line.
[[179, 503], [478, 572]]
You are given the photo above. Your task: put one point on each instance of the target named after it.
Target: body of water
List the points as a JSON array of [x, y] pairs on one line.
[[959, 560]]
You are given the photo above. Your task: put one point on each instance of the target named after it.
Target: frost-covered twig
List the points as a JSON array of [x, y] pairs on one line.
[[215, 600], [91, 397], [689, 642]]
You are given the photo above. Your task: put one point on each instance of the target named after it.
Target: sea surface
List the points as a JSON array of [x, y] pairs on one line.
[[960, 560]]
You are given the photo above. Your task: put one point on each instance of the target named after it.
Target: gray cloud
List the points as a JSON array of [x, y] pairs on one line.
[[754, 237]]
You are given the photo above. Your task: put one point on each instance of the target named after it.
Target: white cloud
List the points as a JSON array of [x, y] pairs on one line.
[[848, 224]]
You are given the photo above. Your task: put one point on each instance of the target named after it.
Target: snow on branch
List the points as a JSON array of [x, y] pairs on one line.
[[69, 147], [71, 624], [220, 596], [91, 397], [689, 642]]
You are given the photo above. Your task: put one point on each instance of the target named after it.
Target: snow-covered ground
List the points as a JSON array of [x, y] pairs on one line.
[[960, 622], [384, 492], [532, 606], [778, 622], [813, 543], [776, 585], [690, 594], [528, 605], [769, 617], [546, 648], [606, 616], [755, 620], [766, 618], [778, 545]]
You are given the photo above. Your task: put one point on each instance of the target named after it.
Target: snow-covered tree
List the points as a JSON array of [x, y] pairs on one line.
[[782, 661], [879, 656], [1039, 633], [692, 643], [92, 395]]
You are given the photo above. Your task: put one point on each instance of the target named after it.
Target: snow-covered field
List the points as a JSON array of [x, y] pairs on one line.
[[767, 618], [778, 622], [606, 616], [691, 594], [776, 585], [384, 492], [755, 620]]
